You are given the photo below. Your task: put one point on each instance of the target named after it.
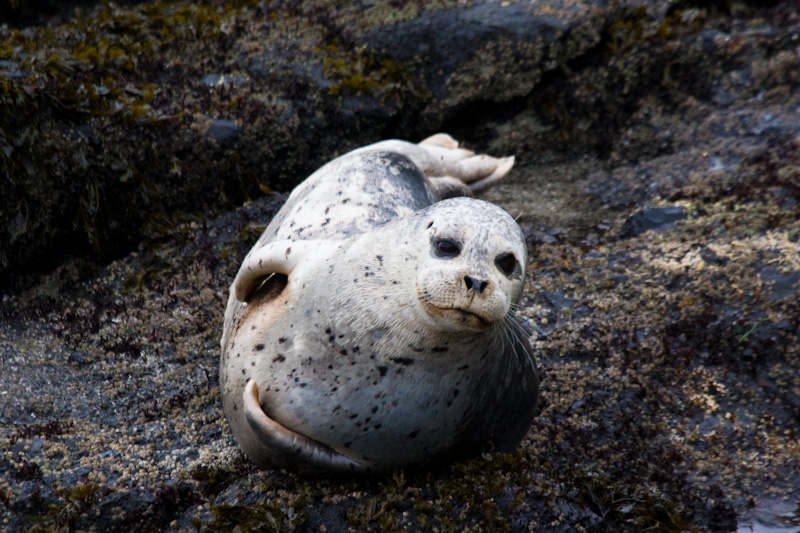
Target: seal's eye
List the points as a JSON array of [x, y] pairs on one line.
[[446, 248], [506, 263]]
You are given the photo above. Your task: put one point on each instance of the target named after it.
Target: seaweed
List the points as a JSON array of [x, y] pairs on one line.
[[75, 501], [367, 72]]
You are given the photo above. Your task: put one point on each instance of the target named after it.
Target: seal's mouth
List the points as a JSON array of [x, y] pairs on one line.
[[466, 318]]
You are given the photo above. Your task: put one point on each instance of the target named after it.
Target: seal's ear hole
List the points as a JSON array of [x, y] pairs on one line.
[[429, 225], [446, 248], [267, 288], [507, 263]]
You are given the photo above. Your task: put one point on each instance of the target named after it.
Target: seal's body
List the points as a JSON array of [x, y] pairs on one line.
[[371, 327]]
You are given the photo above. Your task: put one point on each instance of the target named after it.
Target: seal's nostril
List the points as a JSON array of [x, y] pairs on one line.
[[478, 285]]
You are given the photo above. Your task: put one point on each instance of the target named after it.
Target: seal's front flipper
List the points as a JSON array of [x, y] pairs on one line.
[[283, 447], [447, 187], [280, 257]]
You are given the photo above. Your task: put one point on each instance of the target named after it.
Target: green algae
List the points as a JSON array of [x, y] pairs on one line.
[[69, 98], [367, 72], [76, 501], [620, 505], [266, 516]]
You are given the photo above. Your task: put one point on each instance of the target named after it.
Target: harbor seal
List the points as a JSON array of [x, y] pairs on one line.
[[371, 327]]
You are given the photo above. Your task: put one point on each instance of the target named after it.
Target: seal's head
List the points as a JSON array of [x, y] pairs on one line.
[[470, 264]]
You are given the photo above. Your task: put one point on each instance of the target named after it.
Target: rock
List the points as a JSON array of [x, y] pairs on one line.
[[656, 219], [303, 84], [779, 285], [79, 357], [224, 132]]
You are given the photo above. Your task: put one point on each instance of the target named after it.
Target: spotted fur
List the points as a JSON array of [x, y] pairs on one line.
[[357, 340]]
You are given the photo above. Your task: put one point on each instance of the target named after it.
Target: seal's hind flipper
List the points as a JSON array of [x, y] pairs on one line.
[[441, 139], [439, 156], [284, 447], [498, 169]]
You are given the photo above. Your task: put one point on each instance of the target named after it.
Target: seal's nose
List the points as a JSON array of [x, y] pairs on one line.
[[477, 285]]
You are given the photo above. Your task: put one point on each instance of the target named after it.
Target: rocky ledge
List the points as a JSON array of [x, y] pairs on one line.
[[658, 183]]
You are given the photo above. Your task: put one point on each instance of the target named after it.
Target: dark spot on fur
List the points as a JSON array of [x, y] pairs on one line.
[[439, 349], [281, 340], [343, 352], [414, 434], [280, 358], [348, 444], [405, 361], [259, 347], [463, 367], [382, 370], [354, 415]]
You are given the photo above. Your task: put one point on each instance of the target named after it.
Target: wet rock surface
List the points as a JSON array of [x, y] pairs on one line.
[[670, 356]]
